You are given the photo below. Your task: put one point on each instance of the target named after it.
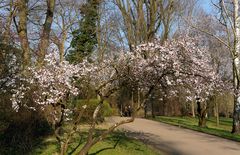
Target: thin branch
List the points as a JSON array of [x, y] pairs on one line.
[[208, 33], [230, 20], [104, 134]]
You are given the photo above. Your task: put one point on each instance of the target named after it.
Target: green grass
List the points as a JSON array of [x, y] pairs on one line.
[[222, 130], [115, 144]]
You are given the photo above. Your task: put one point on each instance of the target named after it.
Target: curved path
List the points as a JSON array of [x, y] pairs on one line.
[[172, 140]]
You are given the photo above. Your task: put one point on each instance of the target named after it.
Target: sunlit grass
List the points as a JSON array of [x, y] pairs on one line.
[[115, 144], [221, 130]]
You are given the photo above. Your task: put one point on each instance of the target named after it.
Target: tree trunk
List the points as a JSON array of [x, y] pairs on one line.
[[236, 69], [145, 111], [7, 32], [44, 41], [22, 32], [236, 125], [201, 109], [138, 97], [63, 149], [86, 148], [92, 141], [164, 106], [65, 144], [132, 101], [216, 109], [62, 46], [193, 109], [202, 122], [217, 112], [153, 113]]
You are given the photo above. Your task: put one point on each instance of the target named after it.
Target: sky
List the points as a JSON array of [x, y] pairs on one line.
[[207, 5]]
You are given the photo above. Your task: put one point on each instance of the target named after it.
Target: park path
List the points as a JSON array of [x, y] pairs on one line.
[[172, 140]]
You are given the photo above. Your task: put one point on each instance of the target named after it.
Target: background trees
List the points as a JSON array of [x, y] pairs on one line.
[[231, 21], [65, 22], [140, 24], [228, 18]]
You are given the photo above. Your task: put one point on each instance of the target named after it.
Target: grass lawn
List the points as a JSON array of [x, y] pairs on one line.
[[115, 144], [223, 130]]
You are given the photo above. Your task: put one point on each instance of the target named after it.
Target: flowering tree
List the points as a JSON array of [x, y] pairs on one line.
[[48, 89], [228, 17], [181, 62], [150, 66], [52, 86]]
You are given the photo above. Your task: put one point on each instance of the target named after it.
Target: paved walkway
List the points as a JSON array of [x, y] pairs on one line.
[[172, 140]]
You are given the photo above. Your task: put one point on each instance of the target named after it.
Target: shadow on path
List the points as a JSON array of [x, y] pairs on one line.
[[156, 142]]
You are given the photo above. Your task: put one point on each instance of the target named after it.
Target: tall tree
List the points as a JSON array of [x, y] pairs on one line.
[[229, 17], [66, 20], [85, 38], [23, 20], [236, 64], [45, 34], [23, 31], [143, 19]]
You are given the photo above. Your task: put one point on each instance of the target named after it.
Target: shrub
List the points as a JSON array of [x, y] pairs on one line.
[[105, 111]]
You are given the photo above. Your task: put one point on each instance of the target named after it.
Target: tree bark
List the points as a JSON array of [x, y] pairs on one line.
[[44, 41], [236, 69], [62, 46], [202, 111], [92, 141], [202, 121], [22, 32], [12, 12], [193, 109], [145, 111], [142, 19], [217, 110], [153, 113], [64, 146], [86, 148], [236, 125], [89, 142]]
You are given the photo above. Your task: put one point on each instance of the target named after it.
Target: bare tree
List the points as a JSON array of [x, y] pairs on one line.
[[22, 31], [143, 19], [11, 7], [20, 13], [45, 34], [111, 38], [66, 19]]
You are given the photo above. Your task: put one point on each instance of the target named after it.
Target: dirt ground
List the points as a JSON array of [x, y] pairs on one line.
[[172, 140]]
